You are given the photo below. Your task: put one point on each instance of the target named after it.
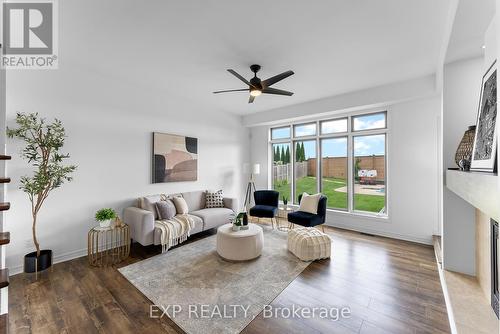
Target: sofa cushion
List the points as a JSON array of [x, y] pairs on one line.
[[165, 209], [214, 199], [304, 219], [214, 217], [198, 227], [263, 211], [181, 205], [148, 203], [194, 199]]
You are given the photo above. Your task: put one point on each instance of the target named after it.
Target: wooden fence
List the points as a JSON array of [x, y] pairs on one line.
[[332, 167]]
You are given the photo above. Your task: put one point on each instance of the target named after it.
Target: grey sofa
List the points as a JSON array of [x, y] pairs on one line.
[[141, 218]]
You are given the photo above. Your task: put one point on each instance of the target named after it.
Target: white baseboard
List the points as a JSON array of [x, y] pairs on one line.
[[14, 270], [425, 241]]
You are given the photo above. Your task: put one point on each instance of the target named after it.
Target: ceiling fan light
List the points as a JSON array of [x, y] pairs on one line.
[[255, 92]]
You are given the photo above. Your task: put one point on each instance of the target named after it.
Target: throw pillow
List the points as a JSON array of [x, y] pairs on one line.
[[309, 203], [180, 205], [165, 209], [214, 199]]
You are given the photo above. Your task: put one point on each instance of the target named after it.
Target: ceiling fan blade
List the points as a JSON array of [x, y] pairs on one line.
[[232, 90], [276, 78], [251, 98], [276, 91], [233, 72]]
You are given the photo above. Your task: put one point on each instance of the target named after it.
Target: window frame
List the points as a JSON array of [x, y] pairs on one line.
[[294, 126], [318, 137], [353, 117], [333, 119]]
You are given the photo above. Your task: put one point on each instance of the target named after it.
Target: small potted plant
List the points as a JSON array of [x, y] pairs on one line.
[[237, 223], [285, 201], [104, 217]]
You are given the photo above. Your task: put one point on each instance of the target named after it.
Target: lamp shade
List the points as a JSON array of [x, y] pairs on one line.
[[256, 169]]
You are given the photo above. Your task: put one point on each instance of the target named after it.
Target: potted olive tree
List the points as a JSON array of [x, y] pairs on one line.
[[43, 144]]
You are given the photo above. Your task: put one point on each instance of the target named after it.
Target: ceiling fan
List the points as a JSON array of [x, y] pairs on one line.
[[256, 86]]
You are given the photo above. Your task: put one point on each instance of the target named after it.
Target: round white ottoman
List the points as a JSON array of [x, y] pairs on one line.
[[239, 245]]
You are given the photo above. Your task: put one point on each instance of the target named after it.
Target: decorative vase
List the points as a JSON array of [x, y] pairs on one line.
[[464, 150], [464, 165], [245, 219], [105, 223], [33, 263], [236, 228]]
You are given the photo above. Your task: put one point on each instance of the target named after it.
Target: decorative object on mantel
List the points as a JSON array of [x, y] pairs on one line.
[[485, 141], [43, 144], [464, 165], [464, 151], [175, 158]]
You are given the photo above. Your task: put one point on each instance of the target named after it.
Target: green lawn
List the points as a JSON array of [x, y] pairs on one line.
[[336, 199]]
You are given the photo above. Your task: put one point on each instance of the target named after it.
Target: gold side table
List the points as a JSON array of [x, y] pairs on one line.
[[283, 215], [109, 245]]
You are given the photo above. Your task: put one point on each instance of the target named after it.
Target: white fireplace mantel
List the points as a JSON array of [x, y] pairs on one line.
[[477, 188]]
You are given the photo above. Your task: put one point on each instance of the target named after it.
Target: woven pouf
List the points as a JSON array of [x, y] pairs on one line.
[[308, 243]]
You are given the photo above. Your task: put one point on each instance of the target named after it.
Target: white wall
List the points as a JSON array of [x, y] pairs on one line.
[[462, 82], [413, 170], [109, 124]]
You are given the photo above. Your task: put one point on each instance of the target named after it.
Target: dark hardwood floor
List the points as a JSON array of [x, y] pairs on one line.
[[390, 286]]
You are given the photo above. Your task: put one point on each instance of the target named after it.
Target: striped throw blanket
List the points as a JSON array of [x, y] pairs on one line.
[[174, 231]]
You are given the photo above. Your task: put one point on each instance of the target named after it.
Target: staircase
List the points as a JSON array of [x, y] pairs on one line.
[[4, 240]]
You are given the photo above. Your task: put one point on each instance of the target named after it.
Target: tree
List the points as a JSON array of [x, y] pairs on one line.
[[276, 154], [357, 167], [287, 155], [43, 143], [282, 154]]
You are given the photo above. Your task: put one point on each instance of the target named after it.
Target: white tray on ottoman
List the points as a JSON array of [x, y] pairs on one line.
[[240, 245], [308, 243]]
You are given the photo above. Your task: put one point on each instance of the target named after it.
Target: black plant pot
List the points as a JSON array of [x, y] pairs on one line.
[[32, 263]]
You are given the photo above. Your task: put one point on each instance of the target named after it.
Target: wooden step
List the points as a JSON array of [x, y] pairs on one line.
[[4, 278], [4, 206], [4, 238], [5, 157], [4, 323], [4, 179]]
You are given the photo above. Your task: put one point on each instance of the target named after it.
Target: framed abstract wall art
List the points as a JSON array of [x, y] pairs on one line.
[[485, 141], [175, 158]]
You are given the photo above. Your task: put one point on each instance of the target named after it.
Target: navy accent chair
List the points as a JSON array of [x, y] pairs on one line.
[[266, 204], [307, 219]]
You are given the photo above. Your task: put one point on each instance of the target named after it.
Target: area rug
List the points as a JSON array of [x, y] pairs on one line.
[[202, 293]]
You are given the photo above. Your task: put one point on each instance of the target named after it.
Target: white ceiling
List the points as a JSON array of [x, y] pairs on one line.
[[183, 48], [467, 36]]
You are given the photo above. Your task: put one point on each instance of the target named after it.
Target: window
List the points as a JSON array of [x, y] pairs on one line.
[[305, 168], [303, 130], [334, 172], [345, 160], [369, 122], [282, 169], [280, 133], [334, 126], [369, 173]]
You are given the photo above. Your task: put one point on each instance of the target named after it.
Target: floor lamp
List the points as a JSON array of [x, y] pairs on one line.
[[251, 185]]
